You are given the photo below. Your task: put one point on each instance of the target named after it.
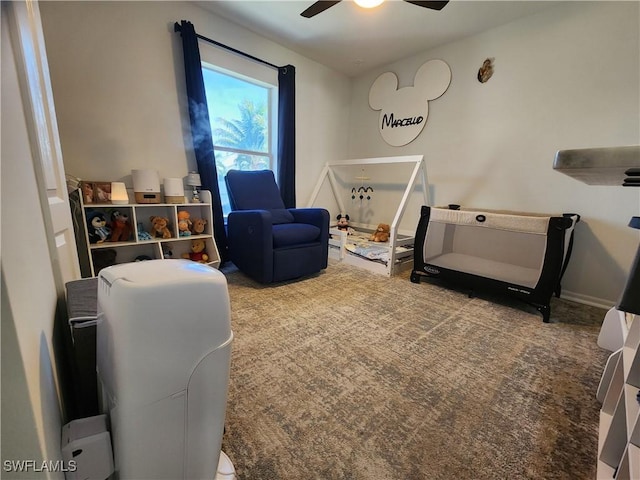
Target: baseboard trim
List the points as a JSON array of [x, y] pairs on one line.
[[587, 300]]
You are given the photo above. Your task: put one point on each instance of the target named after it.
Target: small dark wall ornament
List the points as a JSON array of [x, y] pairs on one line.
[[486, 70]]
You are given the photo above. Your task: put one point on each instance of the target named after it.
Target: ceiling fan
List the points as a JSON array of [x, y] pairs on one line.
[[321, 6]]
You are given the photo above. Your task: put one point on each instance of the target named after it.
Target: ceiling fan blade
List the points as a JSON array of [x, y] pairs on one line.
[[433, 5], [319, 7]]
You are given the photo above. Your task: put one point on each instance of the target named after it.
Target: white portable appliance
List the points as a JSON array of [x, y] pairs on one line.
[[146, 186], [163, 353]]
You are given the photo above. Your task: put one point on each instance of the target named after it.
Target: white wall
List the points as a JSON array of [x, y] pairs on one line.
[[564, 78], [118, 81]]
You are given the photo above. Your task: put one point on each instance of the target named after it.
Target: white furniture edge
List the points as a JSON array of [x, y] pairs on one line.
[[619, 428], [614, 330]]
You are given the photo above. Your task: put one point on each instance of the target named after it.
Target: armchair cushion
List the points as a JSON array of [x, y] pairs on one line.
[[257, 190], [285, 235], [281, 215]]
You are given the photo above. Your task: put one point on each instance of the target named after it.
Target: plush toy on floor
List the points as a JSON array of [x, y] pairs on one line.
[[197, 253], [381, 234], [343, 222]]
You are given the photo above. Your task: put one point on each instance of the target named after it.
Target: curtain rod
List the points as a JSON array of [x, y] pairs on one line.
[[177, 28]]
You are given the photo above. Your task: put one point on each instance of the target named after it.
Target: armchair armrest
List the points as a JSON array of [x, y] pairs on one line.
[[250, 241], [313, 216], [320, 218]]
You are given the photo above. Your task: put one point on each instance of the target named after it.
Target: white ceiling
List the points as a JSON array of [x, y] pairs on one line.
[[353, 40]]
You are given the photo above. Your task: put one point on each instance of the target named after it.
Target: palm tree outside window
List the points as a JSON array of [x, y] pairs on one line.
[[242, 122]]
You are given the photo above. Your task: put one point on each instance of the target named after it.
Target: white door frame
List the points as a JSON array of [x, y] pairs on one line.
[[37, 97]]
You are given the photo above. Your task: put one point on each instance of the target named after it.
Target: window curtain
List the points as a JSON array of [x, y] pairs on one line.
[[201, 131], [287, 134]]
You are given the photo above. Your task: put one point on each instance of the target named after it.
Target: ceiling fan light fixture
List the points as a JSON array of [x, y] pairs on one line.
[[368, 3], [321, 5]]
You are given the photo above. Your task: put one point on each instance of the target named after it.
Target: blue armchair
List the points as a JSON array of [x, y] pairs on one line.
[[268, 242]]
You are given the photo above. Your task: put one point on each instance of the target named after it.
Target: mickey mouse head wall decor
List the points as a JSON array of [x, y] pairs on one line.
[[404, 111]]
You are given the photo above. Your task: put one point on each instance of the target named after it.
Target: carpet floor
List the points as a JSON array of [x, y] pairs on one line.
[[352, 375]]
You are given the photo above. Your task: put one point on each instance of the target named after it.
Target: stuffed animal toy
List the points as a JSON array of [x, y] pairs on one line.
[[121, 229], [159, 227], [197, 253], [198, 226], [343, 222], [143, 235], [184, 223], [97, 227], [381, 234]]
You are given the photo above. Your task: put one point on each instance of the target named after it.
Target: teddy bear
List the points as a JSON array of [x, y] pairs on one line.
[[159, 227], [98, 229], [184, 223], [121, 229], [381, 234], [197, 228], [197, 253]]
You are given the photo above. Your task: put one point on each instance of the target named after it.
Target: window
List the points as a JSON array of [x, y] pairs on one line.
[[242, 122]]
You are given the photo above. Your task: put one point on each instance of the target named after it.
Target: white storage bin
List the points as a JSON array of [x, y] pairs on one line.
[[86, 449]]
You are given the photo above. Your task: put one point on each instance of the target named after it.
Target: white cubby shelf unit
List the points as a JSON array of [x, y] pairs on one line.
[[137, 247]]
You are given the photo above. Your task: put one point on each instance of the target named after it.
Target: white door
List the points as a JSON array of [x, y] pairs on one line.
[[37, 97], [38, 247]]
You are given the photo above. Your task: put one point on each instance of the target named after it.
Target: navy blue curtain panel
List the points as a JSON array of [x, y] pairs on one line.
[[287, 134], [201, 130]]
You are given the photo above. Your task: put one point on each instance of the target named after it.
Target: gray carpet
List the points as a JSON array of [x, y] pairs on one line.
[[352, 375]]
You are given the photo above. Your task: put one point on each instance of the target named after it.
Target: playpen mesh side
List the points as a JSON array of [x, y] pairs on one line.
[[510, 249]]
